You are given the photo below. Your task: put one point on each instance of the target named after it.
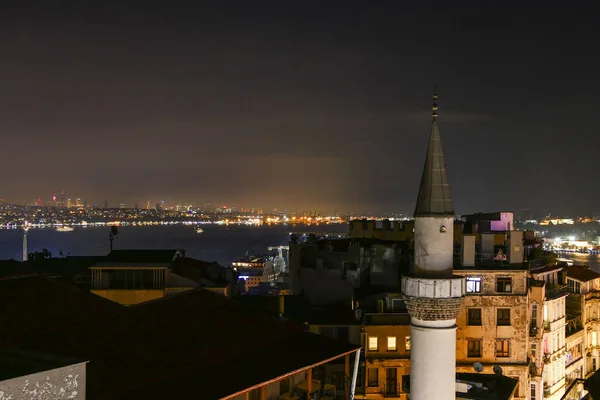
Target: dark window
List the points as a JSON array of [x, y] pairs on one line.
[[474, 348], [504, 285], [373, 377], [328, 331], [502, 348], [474, 316], [406, 383], [503, 316], [343, 333]]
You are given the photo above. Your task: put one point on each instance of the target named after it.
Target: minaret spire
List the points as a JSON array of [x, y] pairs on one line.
[[432, 294], [435, 198]]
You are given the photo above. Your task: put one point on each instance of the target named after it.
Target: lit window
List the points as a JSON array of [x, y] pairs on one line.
[[407, 343], [473, 284], [594, 338], [373, 343], [391, 343]]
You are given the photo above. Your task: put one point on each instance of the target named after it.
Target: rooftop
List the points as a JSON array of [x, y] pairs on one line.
[[143, 256], [581, 274], [159, 349], [130, 265], [487, 386], [297, 308], [16, 363]]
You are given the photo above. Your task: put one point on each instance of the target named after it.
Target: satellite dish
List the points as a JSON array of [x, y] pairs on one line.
[[478, 367], [497, 370]]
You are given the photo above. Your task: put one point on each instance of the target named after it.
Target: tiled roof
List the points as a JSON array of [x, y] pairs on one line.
[[193, 342], [582, 274], [297, 308]]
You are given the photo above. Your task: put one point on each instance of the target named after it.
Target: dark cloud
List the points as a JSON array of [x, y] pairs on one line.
[[299, 106]]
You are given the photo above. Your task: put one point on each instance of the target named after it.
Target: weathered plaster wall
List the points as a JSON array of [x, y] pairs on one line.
[[489, 301], [61, 383]]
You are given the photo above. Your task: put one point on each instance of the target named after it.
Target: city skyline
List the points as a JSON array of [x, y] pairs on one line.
[[300, 107]]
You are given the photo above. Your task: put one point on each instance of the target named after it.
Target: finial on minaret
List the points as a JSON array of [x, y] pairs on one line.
[[434, 109]]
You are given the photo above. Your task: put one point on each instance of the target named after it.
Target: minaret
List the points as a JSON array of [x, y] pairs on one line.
[[25, 229], [433, 295]]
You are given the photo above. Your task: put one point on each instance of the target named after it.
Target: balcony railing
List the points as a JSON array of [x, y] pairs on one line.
[[533, 330], [553, 291]]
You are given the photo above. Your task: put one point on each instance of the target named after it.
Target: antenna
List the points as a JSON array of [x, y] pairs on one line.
[[478, 367], [497, 370]]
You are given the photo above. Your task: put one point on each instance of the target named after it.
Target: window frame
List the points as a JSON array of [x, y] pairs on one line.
[[369, 382], [477, 282], [503, 321], [395, 347], [471, 354], [474, 322], [502, 354], [504, 280], [376, 338]]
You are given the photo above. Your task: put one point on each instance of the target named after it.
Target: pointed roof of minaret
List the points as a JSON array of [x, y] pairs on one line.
[[434, 198]]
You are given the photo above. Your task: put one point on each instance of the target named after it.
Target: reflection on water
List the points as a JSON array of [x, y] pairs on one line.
[[220, 243], [593, 260]]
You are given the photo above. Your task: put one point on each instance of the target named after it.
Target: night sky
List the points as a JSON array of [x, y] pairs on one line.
[[297, 104]]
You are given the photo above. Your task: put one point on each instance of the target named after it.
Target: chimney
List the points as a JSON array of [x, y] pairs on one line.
[[467, 251], [514, 247], [487, 246]]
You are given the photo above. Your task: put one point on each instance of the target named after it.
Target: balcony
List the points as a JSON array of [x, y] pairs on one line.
[[554, 291], [533, 330]]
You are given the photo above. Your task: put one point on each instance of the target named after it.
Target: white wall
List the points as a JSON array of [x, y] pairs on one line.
[[433, 248]]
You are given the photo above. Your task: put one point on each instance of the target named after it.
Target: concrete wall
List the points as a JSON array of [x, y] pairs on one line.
[[385, 230], [321, 287], [328, 276], [61, 383]]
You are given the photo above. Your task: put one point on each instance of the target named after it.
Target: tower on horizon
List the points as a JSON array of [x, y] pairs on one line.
[[433, 295], [25, 229]]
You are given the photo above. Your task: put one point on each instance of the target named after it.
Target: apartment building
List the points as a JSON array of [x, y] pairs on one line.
[[547, 348]]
